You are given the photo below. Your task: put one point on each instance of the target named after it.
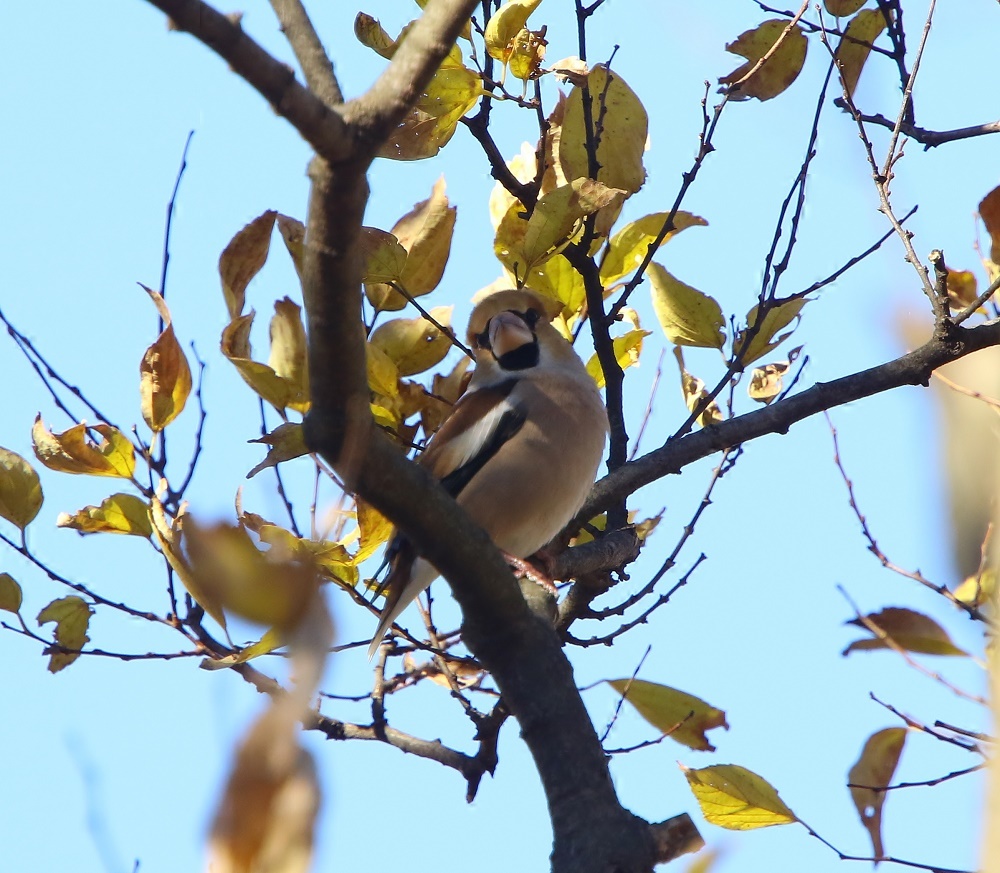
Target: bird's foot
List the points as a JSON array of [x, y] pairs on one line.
[[528, 570]]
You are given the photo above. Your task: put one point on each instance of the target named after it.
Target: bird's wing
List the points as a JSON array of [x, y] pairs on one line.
[[480, 424]]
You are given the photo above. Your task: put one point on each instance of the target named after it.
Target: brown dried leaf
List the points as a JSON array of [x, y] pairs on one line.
[[874, 770], [72, 452], [856, 45], [777, 72], [908, 630], [164, 373], [243, 258]]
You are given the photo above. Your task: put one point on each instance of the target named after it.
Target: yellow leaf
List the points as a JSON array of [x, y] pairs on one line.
[[527, 54], [466, 29], [840, 8], [855, 45], [766, 382], [874, 770], [452, 92], [242, 259], [168, 533], [289, 351], [522, 243], [776, 317], [331, 560], [10, 594], [977, 589], [20, 489], [629, 246], [505, 24], [374, 529], [165, 377], [384, 261], [267, 643], [72, 617], [71, 451], [623, 123], [735, 798], [286, 441], [425, 232], [293, 232], [383, 374], [989, 212], [627, 349], [962, 288], [272, 588], [688, 317], [522, 166], [778, 71], [683, 717], [370, 33], [414, 344], [119, 513], [276, 390], [694, 393], [909, 630]]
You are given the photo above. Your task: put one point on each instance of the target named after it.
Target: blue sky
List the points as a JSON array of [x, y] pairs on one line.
[[109, 762]]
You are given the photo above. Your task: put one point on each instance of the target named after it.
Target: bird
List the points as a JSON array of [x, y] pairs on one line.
[[522, 446]]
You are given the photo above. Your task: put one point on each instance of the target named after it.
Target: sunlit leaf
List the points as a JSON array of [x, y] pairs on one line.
[[735, 798], [72, 452], [684, 717], [276, 390], [10, 594], [962, 288], [765, 340], [165, 377], [624, 127], [20, 489], [908, 630], [243, 258], [694, 392], [505, 24], [72, 618], [383, 374], [527, 54], [778, 71], [293, 232], [414, 344], [119, 513], [267, 643], [688, 317], [374, 529], [874, 770], [289, 351], [978, 588], [425, 232], [627, 349], [855, 45], [628, 247], [384, 261], [766, 381], [286, 441]]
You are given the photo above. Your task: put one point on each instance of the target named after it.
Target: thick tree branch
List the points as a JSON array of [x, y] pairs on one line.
[[312, 57], [427, 43], [914, 368], [320, 126]]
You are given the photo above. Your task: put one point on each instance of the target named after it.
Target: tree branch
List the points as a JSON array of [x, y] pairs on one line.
[[319, 125], [312, 57], [914, 368]]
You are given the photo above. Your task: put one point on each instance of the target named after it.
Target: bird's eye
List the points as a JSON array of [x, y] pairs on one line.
[[482, 339], [531, 317]]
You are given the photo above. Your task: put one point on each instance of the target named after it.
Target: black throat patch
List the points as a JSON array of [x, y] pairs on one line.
[[522, 358]]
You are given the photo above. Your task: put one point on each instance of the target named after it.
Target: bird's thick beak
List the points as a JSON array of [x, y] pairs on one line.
[[508, 332]]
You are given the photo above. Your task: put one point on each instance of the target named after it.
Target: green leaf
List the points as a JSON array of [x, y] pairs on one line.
[[10, 594], [72, 617], [20, 489]]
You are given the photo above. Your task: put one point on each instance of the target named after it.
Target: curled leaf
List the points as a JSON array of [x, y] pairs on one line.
[[286, 441], [504, 25], [777, 316], [164, 373], [243, 258], [627, 348], [72, 617], [766, 381], [695, 395], [874, 771], [119, 513], [289, 350], [72, 452]]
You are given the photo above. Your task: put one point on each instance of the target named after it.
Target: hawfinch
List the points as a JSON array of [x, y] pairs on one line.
[[521, 448]]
